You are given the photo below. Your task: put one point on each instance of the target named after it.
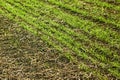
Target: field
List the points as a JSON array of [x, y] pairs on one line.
[[59, 39]]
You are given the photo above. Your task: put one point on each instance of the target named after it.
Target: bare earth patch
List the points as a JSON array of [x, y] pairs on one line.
[[24, 56]]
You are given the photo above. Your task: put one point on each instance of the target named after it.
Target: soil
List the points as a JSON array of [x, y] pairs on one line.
[[24, 56]]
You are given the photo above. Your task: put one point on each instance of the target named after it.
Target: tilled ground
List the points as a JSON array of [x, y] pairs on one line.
[[24, 56]]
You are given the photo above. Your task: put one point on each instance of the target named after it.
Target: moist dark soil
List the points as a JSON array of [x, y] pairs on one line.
[[24, 56]]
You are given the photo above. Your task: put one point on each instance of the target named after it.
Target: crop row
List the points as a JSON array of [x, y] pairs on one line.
[[113, 3], [85, 13], [93, 10], [28, 26], [103, 4], [66, 30], [75, 21], [116, 36], [51, 42], [49, 30], [109, 33]]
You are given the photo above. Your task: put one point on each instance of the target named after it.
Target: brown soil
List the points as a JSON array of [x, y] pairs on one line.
[[24, 56]]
